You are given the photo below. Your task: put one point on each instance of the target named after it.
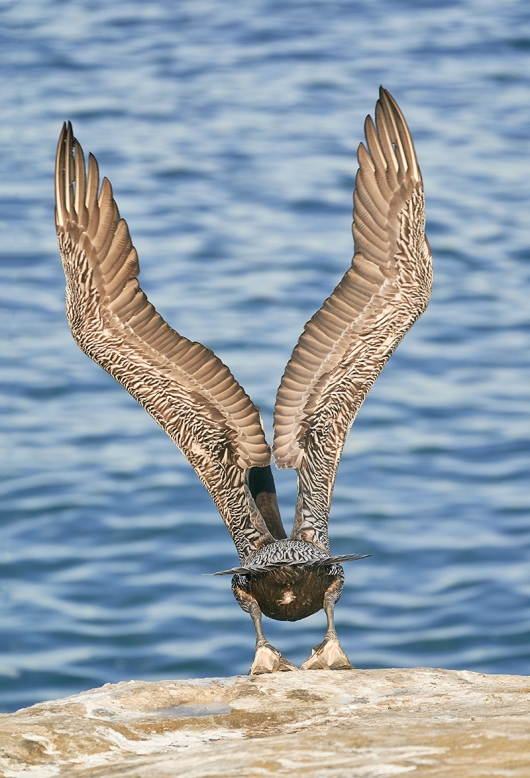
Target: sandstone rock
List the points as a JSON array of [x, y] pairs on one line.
[[314, 724]]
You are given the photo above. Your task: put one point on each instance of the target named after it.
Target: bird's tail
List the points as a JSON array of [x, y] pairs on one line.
[[314, 564]]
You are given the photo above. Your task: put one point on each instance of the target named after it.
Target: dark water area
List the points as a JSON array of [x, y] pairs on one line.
[[229, 131]]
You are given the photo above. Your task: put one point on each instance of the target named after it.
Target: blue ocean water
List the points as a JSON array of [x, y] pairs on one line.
[[229, 131]]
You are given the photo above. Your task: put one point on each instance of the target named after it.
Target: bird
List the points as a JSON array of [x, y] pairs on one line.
[[197, 401]]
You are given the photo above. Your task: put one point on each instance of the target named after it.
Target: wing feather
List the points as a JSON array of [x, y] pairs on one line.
[[183, 385], [348, 341]]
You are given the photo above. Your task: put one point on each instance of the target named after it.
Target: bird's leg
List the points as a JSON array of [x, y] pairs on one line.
[[267, 658], [328, 655]]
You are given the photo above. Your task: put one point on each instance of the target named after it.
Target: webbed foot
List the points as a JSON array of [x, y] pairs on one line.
[[269, 660], [328, 655]]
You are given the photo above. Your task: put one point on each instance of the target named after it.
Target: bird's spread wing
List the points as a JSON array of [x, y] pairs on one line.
[[183, 385], [348, 341]]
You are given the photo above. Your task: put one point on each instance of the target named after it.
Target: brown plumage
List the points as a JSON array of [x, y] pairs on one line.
[[196, 400], [348, 341]]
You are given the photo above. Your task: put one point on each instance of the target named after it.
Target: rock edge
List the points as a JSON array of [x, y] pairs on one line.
[[317, 723]]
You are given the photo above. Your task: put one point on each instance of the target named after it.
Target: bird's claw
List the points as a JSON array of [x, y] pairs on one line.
[[269, 660], [328, 655]]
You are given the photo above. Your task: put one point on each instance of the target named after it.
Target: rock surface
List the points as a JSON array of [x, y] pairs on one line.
[[330, 724]]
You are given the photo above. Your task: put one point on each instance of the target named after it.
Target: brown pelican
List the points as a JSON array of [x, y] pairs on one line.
[[196, 400]]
